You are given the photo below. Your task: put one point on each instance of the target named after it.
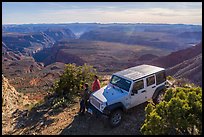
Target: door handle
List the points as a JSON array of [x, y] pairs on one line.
[[143, 91], [153, 86]]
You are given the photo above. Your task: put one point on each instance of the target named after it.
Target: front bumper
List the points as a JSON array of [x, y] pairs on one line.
[[96, 111]]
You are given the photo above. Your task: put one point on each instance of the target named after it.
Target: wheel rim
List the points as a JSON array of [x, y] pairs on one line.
[[116, 118], [159, 98]]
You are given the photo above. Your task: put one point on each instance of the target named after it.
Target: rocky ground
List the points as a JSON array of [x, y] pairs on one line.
[[43, 120], [11, 100], [46, 121]]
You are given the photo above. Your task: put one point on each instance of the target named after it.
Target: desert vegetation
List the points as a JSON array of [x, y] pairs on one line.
[[70, 84], [179, 113]]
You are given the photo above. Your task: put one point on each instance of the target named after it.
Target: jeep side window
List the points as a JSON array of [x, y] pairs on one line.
[[137, 86], [150, 80], [160, 77]]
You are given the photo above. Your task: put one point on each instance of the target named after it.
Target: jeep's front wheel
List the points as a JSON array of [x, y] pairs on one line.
[[115, 118]]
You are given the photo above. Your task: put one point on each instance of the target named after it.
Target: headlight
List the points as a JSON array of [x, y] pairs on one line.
[[102, 106]]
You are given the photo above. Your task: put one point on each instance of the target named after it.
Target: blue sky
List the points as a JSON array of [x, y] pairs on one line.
[[102, 12]]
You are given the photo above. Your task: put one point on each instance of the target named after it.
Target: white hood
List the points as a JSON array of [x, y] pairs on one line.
[[109, 94]]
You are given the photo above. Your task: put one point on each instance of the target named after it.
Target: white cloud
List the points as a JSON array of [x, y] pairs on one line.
[[112, 14], [157, 15]]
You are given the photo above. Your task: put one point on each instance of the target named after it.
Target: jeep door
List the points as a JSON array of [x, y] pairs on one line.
[[150, 86], [137, 93]]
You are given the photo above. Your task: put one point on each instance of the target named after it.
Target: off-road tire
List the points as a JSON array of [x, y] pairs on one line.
[[115, 118], [159, 97]]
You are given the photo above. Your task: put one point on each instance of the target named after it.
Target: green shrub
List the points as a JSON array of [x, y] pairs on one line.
[[72, 80], [179, 113]]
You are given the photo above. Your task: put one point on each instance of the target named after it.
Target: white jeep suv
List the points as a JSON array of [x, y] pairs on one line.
[[127, 89]]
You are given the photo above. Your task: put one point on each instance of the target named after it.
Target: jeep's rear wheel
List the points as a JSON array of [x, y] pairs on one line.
[[115, 118], [159, 97]]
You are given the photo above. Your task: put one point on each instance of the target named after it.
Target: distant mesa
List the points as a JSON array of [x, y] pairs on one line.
[[32, 42], [186, 63], [38, 49]]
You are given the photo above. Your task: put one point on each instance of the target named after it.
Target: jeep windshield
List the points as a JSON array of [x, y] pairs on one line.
[[121, 83]]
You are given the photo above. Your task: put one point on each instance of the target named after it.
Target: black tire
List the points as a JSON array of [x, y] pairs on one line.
[[159, 96], [115, 118]]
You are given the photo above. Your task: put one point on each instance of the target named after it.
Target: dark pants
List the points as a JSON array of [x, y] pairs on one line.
[[83, 105]]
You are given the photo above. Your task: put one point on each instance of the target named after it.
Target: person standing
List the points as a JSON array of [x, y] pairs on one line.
[[84, 100], [96, 84]]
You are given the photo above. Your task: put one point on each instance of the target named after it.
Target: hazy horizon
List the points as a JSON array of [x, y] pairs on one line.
[[189, 13], [101, 23]]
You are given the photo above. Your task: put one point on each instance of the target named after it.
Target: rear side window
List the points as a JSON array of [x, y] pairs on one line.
[[160, 77], [150, 80], [138, 85]]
